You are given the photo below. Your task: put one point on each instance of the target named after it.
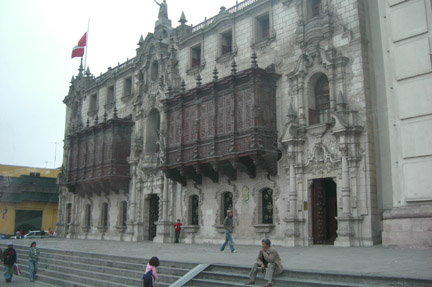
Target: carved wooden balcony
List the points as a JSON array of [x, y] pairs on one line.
[[223, 127], [97, 161]]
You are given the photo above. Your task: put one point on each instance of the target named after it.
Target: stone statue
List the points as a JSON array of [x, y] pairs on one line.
[[163, 10]]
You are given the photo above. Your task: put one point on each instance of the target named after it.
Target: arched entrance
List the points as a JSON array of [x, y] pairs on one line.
[[324, 211], [153, 215]]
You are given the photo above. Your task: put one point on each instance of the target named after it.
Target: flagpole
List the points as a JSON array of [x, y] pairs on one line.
[[86, 48]]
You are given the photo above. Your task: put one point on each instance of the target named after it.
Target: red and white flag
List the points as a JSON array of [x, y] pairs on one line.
[[78, 50]]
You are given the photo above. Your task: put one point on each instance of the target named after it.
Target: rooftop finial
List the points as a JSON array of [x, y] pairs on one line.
[[341, 104], [198, 80], [182, 19], [254, 63], [215, 74], [291, 113], [81, 69], [233, 67], [183, 86]]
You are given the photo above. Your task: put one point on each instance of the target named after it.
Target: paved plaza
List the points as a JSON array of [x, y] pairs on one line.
[[377, 260]]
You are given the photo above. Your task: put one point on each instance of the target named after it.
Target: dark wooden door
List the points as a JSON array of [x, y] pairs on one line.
[[324, 211], [153, 215]]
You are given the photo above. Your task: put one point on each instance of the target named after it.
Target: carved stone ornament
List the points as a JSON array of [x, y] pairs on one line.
[[245, 193], [291, 233]]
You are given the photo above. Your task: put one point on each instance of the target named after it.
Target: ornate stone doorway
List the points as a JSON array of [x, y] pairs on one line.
[[153, 215], [324, 211]]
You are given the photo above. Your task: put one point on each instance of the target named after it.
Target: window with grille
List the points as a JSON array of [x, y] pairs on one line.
[[124, 213], [267, 206], [227, 203], [88, 215], [194, 204], [319, 111], [105, 214], [68, 213]]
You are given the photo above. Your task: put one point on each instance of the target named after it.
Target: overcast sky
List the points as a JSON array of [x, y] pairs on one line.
[[36, 41]]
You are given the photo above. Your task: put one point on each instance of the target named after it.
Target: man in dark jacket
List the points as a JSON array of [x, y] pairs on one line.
[[268, 261], [9, 259]]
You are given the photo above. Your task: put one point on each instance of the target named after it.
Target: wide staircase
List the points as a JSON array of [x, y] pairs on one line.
[[76, 269]]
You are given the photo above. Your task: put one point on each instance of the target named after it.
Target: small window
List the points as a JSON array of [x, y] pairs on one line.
[[267, 206], [110, 95], [263, 27], [226, 42], [227, 203], [127, 90], [194, 210], [123, 213], [154, 72], [68, 213], [104, 215], [93, 103], [315, 8], [319, 107], [196, 56], [88, 215]]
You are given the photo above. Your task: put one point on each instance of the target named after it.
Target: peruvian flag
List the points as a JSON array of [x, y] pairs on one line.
[[78, 50]]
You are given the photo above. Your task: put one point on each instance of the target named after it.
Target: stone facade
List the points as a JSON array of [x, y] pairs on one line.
[[322, 185]]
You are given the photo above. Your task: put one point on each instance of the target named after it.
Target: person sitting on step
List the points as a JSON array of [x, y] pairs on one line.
[[268, 261]]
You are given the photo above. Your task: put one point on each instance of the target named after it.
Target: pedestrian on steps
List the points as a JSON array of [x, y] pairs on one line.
[[268, 261], [33, 261], [228, 224], [150, 275], [177, 229], [9, 259]]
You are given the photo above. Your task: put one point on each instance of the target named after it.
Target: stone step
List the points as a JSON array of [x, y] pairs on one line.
[[223, 275], [76, 269], [60, 268]]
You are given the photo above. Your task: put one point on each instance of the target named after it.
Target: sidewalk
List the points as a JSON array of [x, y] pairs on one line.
[[377, 260]]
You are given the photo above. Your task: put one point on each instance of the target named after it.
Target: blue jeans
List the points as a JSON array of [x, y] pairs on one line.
[[8, 272], [228, 238], [33, 266]]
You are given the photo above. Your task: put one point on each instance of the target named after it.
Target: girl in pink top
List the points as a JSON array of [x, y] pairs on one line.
[[150, 274]]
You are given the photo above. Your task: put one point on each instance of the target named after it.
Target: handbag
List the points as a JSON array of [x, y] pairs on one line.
[[17, 270]]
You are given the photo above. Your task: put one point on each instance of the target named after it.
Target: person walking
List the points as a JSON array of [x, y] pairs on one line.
[[33, 261], [9, 259], [150, 275], [177, 229], [268, 261], [228, 224]]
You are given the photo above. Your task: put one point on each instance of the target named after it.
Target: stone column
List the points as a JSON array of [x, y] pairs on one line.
[[131, 220], [164, 226], [345, 188], [345, 221], [292, 192], [300, 100]]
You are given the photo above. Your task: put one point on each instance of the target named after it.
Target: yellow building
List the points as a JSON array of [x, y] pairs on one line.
[[28, 198]]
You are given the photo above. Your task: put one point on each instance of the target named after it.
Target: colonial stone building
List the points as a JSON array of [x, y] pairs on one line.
[[276, 109]]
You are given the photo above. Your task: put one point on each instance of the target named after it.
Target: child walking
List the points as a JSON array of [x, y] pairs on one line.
[[150, 275]]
